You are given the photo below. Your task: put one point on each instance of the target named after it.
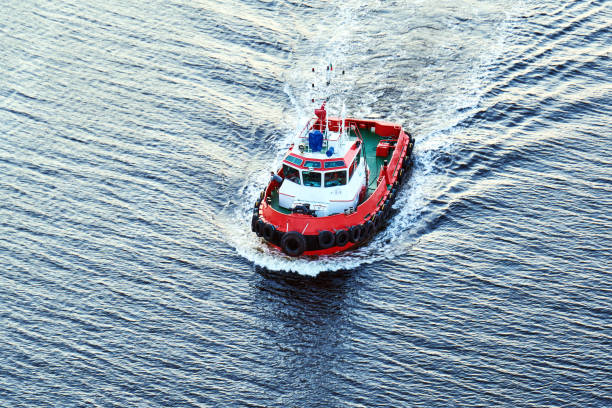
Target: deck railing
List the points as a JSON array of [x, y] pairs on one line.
[[303, 135]]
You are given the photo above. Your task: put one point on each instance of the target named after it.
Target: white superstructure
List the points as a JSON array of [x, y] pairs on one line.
[[328, 181]]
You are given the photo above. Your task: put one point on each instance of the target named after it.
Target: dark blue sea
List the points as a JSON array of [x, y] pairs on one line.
[[135, 137]]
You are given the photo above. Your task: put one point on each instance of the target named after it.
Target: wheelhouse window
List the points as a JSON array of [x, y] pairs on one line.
[[291, 174], [312, 178], [312, 164], [333, 164], [335, 178], [295, 160]]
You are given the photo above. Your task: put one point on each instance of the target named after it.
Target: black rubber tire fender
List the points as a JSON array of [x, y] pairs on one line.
[[378, 220], [293, 243], [404, 175], [355, 233], [326, 239], [406, 163], [268, 232], [387, 210], [392, 196], [260, 227], [342, 238], [368, 230], [254, 223]]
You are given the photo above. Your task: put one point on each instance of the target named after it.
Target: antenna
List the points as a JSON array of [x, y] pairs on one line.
[[315, 90]]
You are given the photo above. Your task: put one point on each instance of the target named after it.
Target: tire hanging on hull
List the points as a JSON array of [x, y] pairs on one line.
[[259, 228], [355, 233], [326, 239], [378, 220], [268, 232], [342, 238], [369, 230], [293, 243]]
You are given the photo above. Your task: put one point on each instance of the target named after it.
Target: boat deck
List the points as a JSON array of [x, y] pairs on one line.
[[275, 205], [370, 141]]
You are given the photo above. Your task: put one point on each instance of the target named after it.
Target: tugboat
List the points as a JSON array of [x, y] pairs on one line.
[[335, 186]]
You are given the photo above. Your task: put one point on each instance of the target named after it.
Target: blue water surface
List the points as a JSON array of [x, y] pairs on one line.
[[135, 137]]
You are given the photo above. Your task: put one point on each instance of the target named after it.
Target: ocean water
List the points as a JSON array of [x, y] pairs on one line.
[[135, 137]]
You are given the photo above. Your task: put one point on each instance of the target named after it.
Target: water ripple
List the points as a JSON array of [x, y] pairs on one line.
[[135, 138]]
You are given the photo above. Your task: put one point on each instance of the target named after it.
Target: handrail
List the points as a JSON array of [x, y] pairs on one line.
[[355, 127], [303, 135], [307, 127]]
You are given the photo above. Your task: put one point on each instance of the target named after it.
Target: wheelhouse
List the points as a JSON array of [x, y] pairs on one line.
[[319, 173]]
